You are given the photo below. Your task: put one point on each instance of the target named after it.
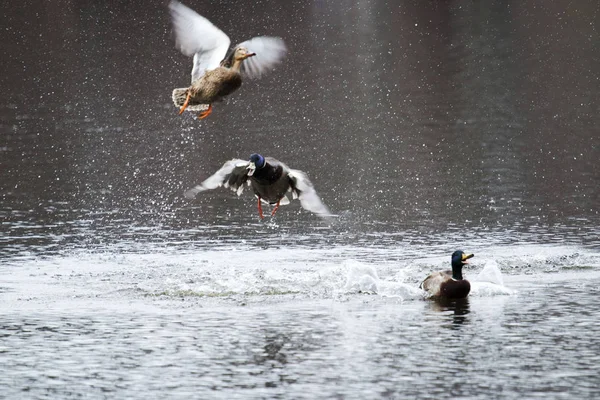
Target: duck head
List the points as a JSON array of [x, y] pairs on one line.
[[256, 161], [459, 259], [241, 53]]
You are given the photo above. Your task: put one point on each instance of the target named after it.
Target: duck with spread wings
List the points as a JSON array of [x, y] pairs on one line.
[[217, 73], [272, 182]]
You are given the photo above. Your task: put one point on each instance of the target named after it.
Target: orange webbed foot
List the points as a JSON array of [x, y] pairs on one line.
[[275, 209], [187, 101], [260, 213], [206, 113]]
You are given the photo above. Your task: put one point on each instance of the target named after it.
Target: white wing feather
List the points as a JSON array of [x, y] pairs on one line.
[[269, 52], [308, 196], [197, 36], [219, 178]]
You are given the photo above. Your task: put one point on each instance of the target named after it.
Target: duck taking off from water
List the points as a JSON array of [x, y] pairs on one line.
[[272, 182], [449, 284], [217, 73]]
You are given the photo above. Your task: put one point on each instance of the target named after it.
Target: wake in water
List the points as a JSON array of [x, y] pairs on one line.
[[363, 278], [273, 274]]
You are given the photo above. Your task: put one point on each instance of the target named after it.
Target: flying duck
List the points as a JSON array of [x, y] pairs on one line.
[[449, 284], [272, 182], [216, 72]]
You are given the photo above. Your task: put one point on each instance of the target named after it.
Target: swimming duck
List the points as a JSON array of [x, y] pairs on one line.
[[449, 284], [217, 73], [272, 182]]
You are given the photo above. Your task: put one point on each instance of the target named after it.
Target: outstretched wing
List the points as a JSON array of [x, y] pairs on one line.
[[269, 52], [303, 188], [233, 174], [196, 36]]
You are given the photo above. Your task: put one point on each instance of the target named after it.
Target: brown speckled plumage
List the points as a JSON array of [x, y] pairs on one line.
[[211, 87], [217, 73]]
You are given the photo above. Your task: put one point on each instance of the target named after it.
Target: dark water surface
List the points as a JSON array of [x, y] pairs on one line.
[[425, 126]]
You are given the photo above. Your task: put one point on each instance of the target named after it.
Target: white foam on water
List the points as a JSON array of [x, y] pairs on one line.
[[489, 282], [490, 273], [290, 273], [489, 289], [361, 277]]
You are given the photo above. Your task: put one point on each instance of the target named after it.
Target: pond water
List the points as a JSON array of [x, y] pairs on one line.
[[425, 127]]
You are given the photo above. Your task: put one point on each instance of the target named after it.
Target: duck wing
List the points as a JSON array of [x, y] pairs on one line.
[[303, 189], [197, 36], [233, 174], [269, 52], [433, 282]]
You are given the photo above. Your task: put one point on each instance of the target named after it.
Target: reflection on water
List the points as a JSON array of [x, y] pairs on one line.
[[349, 350], [458, 309]]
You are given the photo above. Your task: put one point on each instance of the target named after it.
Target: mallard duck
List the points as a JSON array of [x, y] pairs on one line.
[[272, 182], [449, 284], [216, 73]]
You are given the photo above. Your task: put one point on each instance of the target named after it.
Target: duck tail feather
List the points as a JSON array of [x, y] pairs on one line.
[[179, 96]]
